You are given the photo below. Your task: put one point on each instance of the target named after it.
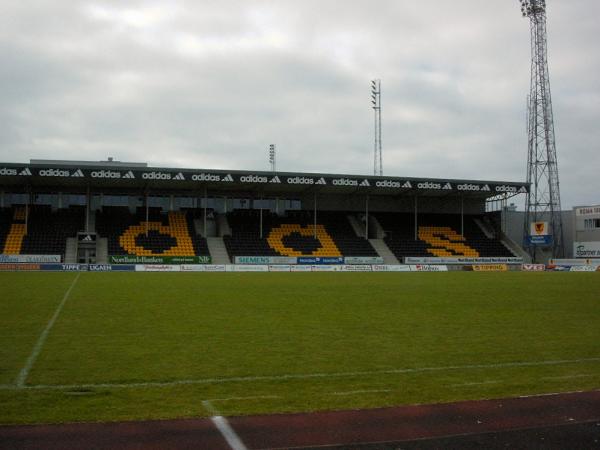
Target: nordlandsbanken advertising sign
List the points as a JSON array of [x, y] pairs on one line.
[[131, 259]]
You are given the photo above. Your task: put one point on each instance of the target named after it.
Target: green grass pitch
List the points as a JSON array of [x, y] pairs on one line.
[[128, 346]]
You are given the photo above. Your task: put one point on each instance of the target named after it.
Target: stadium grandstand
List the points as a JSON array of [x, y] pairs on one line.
[[113, 212]]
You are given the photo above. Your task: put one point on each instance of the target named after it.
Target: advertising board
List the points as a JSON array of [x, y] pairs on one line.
[[249, 268], [132, 259], [462, 260], [357, 268], [157, 268], [30, 258], [583, 268], [301, 268], [428, 268], [8, 267], [264, 260], [280, 268], [490, 267], [533, 267], [391, 268], [363, 260], [325, 268], [312, 260]]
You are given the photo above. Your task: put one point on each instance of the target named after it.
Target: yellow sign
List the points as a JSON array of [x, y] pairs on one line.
[[539, 228], [490, 268]]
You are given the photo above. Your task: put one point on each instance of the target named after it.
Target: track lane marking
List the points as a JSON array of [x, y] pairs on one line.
[[228, 433], [303, 376], [22, 378]]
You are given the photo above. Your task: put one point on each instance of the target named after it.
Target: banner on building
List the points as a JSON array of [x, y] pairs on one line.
[[586, 249], [312, 260]]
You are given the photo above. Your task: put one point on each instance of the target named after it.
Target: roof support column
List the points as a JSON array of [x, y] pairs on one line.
[[462, 215], [416, 219], [315, 218], [147, 212], [1, 199], [367, 217], [260, 214], [205, 207], [87, 208]]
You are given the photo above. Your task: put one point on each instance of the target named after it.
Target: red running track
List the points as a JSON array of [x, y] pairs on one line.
[[339, 428]]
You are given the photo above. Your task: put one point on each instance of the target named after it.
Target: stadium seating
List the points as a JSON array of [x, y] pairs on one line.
[[438, 236], [45, 233], [295, 234], [165, 234]]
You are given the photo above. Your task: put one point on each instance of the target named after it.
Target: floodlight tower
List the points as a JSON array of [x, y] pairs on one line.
[[543, 200], [376, 101], [272, 157]]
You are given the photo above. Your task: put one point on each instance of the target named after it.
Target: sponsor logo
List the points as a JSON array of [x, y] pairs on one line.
[[54, 173], [321, 181], [429, 185], [344, 182], [100, 268], [275, 179], [205, 177], [506, 188], [8, 172], [179, 177], [70, 267], [447, 187], [533, 267], [129, 175], [486, 188], [301, 180], [25, 172], [388, 184], [469, 187], [228, 178], [156, 176], [105, 174], [254, 179], [365, 183], [407, 185], [78, 174], [523, 190]]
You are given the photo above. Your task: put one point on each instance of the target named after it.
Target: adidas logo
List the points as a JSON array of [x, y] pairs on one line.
[[321, 181], [407, 185], [523, 190], [129, 175], [87, 238], [365, 183], [485, 188], [447, 187], [25, 172], [275, 179], [78, 174], [228, 178], [179, 177]]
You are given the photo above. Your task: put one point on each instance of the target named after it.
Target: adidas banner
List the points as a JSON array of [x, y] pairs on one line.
[[162, 175]]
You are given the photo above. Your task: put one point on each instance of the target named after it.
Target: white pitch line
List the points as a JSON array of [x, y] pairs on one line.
[[20, 383], [362, 391], [229, 399], [567, 377], [475, 383], [303, 376], [223, 426]]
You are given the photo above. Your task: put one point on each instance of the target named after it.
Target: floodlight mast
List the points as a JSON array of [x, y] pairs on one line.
[[272, 157], [376, 102], [543, 200]]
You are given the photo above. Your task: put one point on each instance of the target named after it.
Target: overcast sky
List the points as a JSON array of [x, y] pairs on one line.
[[210, 84]]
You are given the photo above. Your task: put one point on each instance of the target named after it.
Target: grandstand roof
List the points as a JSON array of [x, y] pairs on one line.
[[108, 176]]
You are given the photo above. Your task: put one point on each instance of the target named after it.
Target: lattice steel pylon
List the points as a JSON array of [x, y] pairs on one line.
[[543, 200]]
